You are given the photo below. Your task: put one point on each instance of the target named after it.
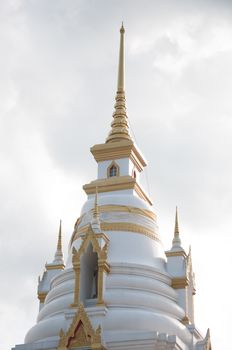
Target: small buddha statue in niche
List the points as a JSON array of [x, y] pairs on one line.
[[94, 283]]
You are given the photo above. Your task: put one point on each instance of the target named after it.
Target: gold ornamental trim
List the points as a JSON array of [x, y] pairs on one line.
[[110, 184], [117, 150], [113, 163], [116, 183], [180, 282], [120, 226], [140, 192], [177, 253], [80, 333], [42, 296], [128, 209], [55, 267], [185, 320], [116, 208]]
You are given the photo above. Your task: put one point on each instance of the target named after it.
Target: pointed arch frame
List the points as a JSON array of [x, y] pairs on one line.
[[103, 267], [113, 163]]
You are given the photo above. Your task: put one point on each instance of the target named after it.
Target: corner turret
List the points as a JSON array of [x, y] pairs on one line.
[[51, 270], [179, 266]]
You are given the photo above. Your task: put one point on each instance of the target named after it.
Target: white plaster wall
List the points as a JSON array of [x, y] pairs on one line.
[[181, 298], [126, 216], [137, 291], [123, 197], [131, 247], [131, 290], [176, 266], [190, 301], [125, 167]]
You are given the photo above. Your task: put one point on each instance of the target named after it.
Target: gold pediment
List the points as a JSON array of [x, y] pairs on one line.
[[80, 334], [80, 338]]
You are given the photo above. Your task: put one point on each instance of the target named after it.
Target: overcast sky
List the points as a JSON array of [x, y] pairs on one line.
[[58, 65]]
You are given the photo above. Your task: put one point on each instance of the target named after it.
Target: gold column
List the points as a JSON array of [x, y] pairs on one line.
[[100, 284], [76, 268]]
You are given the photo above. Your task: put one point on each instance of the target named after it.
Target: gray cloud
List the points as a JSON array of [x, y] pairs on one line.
[[58, 74]]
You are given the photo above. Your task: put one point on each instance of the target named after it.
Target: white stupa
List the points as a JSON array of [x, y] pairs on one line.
[[119, 289]]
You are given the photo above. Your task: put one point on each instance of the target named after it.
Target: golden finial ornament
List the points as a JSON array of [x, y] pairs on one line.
[[176, 242], [59, 243], [176, 230], [59, 259], [122, 29]]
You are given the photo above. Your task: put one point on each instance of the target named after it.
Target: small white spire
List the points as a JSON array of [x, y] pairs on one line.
[[207, 340], [59, 258], [176, 242]]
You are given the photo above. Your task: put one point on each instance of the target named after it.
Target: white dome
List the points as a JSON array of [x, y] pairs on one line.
[[138, 295]]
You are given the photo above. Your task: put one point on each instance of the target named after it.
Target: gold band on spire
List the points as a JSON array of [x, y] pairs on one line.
[[120, 126], [121, 64]]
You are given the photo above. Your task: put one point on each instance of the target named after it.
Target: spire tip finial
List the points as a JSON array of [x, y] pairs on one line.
[[176, 230], [122, 29]]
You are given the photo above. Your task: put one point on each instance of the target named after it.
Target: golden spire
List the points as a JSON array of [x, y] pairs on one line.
[[96, 216], [207, 339], [176, 242], [59, 259], [59, 243], [176, 230], [121, 64], [120, 126], [95, 209]]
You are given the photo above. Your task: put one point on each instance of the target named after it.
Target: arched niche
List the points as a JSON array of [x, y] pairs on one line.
[[89, 259], [88, 275], [113, 169]]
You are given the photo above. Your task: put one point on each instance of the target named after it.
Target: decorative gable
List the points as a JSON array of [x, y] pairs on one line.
[[80, 333]]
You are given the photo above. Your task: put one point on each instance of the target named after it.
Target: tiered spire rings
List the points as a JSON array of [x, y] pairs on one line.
[[176, 242], [120, 126], [59, 258]]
